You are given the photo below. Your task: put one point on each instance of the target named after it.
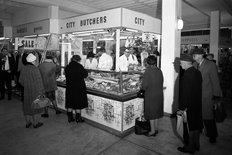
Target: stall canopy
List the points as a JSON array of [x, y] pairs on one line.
[[119, 17]]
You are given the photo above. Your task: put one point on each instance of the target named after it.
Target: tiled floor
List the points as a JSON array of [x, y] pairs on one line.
[[59, 137]]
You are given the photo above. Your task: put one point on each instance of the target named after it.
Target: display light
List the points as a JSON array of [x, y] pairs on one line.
[[180, 24]]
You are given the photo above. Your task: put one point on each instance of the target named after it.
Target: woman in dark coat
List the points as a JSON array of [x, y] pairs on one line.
[[76, 96], [153, 101], [190, 101], [30, 78]]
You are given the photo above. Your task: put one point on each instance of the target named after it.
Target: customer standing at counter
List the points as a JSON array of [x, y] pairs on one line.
[[153, 101], [48, 70], [210, 91], [76, 95]]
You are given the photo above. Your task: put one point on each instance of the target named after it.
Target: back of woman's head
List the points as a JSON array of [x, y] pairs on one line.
[[76, 58], [151, 60]]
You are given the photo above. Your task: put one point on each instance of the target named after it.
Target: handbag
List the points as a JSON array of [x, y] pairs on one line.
[[219, 112], [40, 102], [142, 126], [141, 93]]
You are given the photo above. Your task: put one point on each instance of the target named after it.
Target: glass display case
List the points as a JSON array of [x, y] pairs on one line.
[[117, 83], [111, 82]]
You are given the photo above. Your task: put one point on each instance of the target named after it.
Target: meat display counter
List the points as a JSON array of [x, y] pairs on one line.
[[112, 99]]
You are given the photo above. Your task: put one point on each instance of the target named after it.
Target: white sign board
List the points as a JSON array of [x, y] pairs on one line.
[[28, 43], [40, 27], [99, 20], [140, 21], [203, 39]]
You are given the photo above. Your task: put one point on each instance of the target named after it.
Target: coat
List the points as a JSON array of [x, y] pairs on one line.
[[76, 95], [210, 87], [11, 64], [48, 70], [190, 97], [152, 83], [30, 78]]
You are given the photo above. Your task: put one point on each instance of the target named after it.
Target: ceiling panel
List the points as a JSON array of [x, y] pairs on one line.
[[194, 12]]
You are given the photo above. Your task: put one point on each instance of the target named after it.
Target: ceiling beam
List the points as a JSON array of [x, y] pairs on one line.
[[63, 4], [227, 4]]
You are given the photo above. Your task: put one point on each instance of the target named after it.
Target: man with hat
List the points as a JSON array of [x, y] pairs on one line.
[[211, 91], [190, 102]]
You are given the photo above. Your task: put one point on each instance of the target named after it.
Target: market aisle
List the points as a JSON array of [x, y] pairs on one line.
[[61, 138]]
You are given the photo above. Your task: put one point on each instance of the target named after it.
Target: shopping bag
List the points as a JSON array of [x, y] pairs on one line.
[[179, 126], [41, 102], [182, 125], [219, 112], [142, 126]]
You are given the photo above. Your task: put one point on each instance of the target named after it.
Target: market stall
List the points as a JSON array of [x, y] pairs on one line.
[[112, 94]]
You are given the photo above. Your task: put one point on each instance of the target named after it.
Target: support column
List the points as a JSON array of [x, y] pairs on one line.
[[214, 33], [170, 46], [53, 14]]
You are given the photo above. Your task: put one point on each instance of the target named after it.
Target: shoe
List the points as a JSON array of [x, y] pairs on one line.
[[45, 115], [39, 124], [28, 125], [58, 112], [212, 140], [70, 117], [2, 98], [79, 118], [184, 150], [153, 134]]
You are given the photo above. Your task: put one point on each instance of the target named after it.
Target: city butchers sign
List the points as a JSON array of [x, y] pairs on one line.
[[99, 20]]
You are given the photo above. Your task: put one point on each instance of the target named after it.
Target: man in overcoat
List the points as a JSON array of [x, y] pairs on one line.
[[211, 90], [190, 101], [7, 69]]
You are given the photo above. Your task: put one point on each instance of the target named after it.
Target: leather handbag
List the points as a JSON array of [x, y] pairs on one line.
[[219, 112], [141, 126], [41, 102]]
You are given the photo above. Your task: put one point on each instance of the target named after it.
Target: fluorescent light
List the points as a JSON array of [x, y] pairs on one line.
[[132, 30], [180, 24], [82, 32], [44, 34], [30, 36], [106, 39]]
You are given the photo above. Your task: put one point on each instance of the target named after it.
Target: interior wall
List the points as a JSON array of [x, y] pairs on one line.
[[30, 15]]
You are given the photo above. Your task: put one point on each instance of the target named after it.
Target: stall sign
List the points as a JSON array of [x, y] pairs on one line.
[[40, 27], [202, 39], [28, 43], [147, 37], [140, 21], [99, 20]]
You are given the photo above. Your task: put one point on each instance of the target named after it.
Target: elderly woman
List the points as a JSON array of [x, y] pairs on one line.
[[153, 101], [76, 95], [31, 80]]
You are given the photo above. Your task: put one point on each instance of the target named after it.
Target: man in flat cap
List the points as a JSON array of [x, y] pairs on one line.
[[211, 91], [190, 102]]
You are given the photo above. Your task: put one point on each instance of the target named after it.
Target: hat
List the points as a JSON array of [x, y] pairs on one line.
[[186, 57], [31, 57], [198, 51], [76, 58]]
